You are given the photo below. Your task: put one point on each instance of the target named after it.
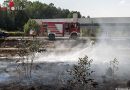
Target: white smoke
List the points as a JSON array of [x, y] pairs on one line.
[[112, 43]]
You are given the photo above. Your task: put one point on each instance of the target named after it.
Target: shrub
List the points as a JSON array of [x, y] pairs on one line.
[[31, 25], [81, 75]]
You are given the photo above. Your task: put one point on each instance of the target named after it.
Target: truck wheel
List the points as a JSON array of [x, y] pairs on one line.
[[51, 37], [74, 36]]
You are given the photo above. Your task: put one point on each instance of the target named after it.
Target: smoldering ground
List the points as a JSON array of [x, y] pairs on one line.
[[49, 68], [111, 42]]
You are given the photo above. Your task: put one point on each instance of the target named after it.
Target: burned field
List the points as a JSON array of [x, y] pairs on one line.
[[55, 66], [11, 47], [45, 76]]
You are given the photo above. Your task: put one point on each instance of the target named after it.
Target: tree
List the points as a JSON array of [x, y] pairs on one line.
[[111, 81], [70, 15], [112, 69], [31, 24], [15, 20], [114, 66], [20, 16], [27, 51], [81, 77]]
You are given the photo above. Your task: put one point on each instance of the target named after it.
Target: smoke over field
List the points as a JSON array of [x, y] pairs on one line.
[[49, 67], [102, 51], [113, 43]]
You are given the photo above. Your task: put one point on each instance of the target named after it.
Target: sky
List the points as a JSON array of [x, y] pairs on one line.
[[94, 8]]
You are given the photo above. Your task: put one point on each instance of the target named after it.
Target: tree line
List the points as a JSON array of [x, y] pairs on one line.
[[25, 10]]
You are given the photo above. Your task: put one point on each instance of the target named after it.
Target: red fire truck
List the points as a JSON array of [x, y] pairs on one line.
[[61, 29]]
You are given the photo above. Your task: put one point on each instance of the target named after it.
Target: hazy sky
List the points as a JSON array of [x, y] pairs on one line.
[[94, 8]]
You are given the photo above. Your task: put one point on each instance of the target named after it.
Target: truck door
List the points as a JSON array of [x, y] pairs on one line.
[[44, 30], [66, 29]]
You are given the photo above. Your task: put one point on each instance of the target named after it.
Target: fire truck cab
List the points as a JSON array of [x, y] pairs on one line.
[[61, 29]]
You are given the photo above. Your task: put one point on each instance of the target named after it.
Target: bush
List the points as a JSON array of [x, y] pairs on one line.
[[31, 25], [80, 73]]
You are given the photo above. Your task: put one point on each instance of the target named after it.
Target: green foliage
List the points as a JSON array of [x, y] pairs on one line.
[[70, 15], [15, 20], [26, 28], [81, 74], [31, 24]]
